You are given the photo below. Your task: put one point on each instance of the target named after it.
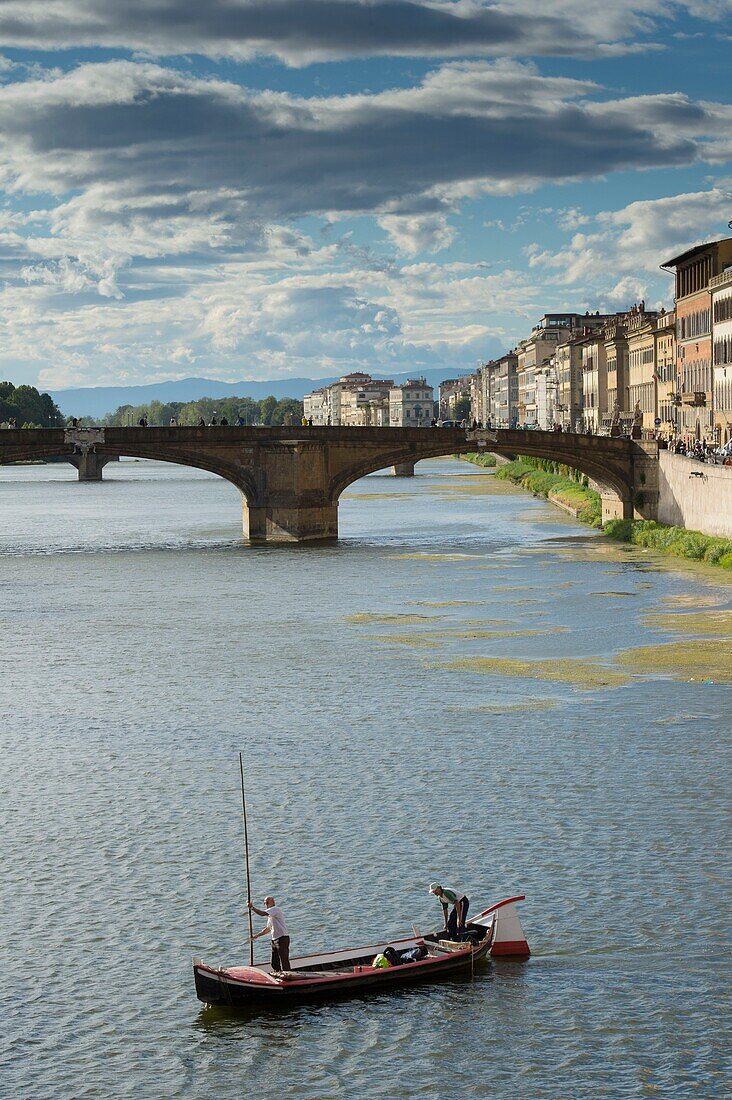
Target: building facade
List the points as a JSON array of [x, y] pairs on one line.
[[568, 366], [694, 271], [357, 399], [535, 354], [721, 291], [616, 370], [594, 382], [642, 373], [665, 353], [316, 407], [453, 391], [503, 408], [411, 404]]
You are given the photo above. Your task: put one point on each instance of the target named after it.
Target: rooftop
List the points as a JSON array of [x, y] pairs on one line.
[[690, 253]]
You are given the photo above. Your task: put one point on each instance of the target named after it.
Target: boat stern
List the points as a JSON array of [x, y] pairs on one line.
[[509, 941]]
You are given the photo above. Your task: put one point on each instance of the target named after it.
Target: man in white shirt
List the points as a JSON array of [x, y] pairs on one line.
[[278, 930]]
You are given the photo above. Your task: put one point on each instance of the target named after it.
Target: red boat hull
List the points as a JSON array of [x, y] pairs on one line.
[[224, 987]]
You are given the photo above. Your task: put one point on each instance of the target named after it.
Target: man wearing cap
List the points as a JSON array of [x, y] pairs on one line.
[[278, 930], [447, 897]]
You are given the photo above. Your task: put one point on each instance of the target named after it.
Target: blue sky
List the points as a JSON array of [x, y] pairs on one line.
[[264, 188]]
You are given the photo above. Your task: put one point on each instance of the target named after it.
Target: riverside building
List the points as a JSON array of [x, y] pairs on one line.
[[616, 370], [501, 392], [568, 367], [452, 392], [315, 407], [594, 382], [535, 354], [665, 354], [694, 271], [640, 331], [411, 404], [721, 291], [349, 401]]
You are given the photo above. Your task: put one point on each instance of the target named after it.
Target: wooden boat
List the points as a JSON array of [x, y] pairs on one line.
[[496, 932]]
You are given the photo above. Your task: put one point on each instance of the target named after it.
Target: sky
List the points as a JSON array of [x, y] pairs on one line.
[[251, 189]]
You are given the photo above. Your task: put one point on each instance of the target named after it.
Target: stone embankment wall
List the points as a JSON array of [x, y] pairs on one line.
[[695, 495]]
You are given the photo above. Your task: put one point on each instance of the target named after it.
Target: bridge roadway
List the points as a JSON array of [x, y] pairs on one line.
[[291, 478]]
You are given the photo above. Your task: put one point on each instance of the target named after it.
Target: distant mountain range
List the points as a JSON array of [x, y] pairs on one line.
[[98, 400]]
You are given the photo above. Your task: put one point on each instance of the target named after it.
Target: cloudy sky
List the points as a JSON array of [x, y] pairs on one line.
[[262, 188]]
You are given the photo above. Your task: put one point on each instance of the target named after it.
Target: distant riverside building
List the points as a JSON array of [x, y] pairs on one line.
[[480, 393], [568, 367], [504, 390], [535, 354], [547, 392], [452, 391], [721, 289], [411, 404], [358, 400], [665, 353], [494, 392], [643, 381], [695, 270], [594, 382], [315, 407], [349, 401]]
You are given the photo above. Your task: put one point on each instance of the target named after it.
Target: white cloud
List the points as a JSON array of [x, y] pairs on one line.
[[175, 238], [623, 253], [418, 232], [299, 32]]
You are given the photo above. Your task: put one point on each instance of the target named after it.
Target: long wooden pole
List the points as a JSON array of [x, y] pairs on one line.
[[246, 860]]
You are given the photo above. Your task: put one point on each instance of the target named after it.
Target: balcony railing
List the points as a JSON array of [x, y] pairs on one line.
[[721, 280]]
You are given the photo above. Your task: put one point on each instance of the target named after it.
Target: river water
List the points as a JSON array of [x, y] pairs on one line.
[[143, 646]]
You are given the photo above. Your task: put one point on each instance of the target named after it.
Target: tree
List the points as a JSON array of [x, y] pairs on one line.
[[267, 408], [28, 406], [287, 405]]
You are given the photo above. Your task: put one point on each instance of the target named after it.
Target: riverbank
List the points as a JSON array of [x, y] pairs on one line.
[[559, 486]]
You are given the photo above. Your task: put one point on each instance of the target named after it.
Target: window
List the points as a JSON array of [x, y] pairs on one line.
[[723, 309], [694, 324]]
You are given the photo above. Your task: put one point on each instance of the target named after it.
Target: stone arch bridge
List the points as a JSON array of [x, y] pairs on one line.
[[291, 478]]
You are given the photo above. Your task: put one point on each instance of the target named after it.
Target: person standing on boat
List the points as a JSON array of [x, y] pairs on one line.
[[278, 930], [455, 923]]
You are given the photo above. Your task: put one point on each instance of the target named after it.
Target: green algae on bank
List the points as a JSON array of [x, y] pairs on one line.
[[686, 600], [612, 595], [523, 632], [448, 603], [583, 673], [710, 624], [413, 641], [695, 660], [366, 617]]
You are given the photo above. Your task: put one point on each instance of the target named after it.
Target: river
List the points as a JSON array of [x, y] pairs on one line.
[[144, 646]]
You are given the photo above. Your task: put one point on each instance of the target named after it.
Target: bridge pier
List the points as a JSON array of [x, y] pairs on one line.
[[615, 508], [89, 464], [279, 522], [403, 469]]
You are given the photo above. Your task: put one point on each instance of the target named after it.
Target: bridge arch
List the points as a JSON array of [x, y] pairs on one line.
[[241, 479], [611, 482]]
